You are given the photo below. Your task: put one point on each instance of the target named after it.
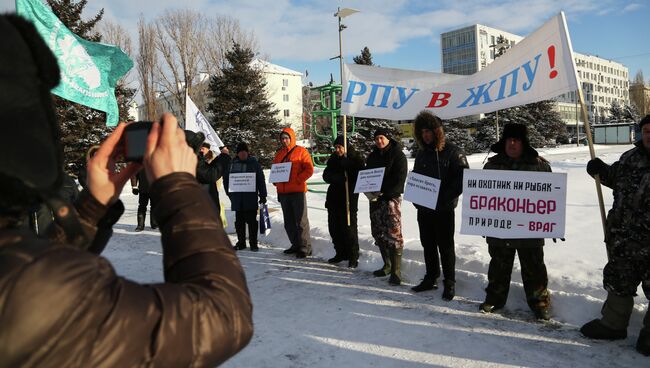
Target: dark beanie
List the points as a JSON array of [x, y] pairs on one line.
[[205, 145], [339, 140], [242, 147], [644, 121], [382, 131]]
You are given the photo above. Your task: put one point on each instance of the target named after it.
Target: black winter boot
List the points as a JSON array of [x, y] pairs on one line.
[[252, 236], [395, 266], [152, 221], [386, 269], [337, 258], [449, 292], [141, 218], [598, 331], [643, 343], [428, 283]]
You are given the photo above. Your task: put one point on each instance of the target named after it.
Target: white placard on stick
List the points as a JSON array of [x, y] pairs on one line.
[[514, 204], [421, 189], [242, 183], [280, 172], [369, 180]]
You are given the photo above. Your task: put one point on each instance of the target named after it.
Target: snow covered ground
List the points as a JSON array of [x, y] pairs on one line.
[[309, 313]]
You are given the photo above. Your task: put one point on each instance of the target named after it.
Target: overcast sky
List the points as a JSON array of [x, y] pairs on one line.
[[302, 35]]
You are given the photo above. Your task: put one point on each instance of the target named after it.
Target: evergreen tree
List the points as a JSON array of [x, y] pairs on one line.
[[456, 132], [240, 109], [615, 111], [82, 127], [631, 113], [544, 124], [365, 58]]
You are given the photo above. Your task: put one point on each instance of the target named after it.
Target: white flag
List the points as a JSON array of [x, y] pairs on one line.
[[196, 122]]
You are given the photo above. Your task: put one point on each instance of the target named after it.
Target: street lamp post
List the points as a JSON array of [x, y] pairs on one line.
[[499, 49], [342, 13]]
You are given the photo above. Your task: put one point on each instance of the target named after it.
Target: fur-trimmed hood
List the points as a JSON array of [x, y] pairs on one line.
[[426, 120]]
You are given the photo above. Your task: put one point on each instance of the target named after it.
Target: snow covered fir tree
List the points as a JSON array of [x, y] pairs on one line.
[[240, 110]]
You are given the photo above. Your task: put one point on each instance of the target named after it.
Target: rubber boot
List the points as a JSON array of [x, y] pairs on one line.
[[386, 269], [141, 218], [616, 316], [395, 266], [643, 343]]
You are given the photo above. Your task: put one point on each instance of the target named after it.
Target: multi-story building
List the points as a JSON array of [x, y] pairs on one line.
[[640, 97], [468, 50], [283, 90]]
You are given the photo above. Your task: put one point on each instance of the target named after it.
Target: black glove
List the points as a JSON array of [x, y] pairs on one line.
[[555, 240], [596, 166], [135, 190], [263, 200]]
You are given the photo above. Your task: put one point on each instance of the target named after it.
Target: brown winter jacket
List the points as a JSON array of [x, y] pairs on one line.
[[65, 307], [302, 167]]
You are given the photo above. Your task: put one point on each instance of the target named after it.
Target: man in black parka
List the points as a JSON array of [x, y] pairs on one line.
[[442, 160], [344, 237]]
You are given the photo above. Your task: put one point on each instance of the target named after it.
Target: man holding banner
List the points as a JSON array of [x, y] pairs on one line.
[[628, 241], [446, 162], [386, 206], [514, 152]]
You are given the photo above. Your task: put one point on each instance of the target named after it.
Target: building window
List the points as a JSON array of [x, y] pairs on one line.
[[285, 83], [285, 98], [286, 113]]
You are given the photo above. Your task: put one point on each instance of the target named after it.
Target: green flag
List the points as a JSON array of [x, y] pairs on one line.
[[89, 70]]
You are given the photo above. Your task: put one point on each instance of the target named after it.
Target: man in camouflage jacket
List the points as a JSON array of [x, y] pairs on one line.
[[514, 152], [627, 236]]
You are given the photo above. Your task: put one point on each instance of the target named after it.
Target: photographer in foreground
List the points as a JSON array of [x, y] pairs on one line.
[[64, 306]]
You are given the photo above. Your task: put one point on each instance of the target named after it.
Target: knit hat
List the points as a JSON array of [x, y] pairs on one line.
[[382, 131], [205, 145], [338, 140], [28, 71], [242, 147]]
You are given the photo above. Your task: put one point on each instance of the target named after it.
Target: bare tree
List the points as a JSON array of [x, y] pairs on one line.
[[638, 78], [180, 35], [221, 34], [147, 64]]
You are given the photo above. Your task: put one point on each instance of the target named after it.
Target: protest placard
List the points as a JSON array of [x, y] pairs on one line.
[[241, 183], [369, 180], [280, 172], [514, 204], [421, 189]]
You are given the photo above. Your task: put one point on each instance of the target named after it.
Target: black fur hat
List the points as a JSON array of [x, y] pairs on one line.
[[518, 131], [31, 156]]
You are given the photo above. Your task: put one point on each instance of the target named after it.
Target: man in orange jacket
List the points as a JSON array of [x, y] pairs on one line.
[[291, 194]]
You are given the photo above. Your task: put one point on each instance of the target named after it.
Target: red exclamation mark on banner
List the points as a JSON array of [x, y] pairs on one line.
[[551, 59]]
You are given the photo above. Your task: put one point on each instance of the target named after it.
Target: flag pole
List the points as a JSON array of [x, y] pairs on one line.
[[592, 153], [345, 125]]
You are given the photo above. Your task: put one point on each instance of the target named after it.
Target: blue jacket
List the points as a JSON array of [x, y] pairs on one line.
[[246, 201]]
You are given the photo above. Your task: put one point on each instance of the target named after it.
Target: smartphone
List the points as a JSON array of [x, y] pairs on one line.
[[134, 140]]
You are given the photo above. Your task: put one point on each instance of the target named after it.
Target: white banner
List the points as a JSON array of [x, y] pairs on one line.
[[369, 180], [242, 182], [421, 189], [280, 173], [514, 204], [196, 122], [537, 68]]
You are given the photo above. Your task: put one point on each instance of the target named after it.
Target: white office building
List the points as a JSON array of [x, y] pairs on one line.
[[283, 90], [468, 50]]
